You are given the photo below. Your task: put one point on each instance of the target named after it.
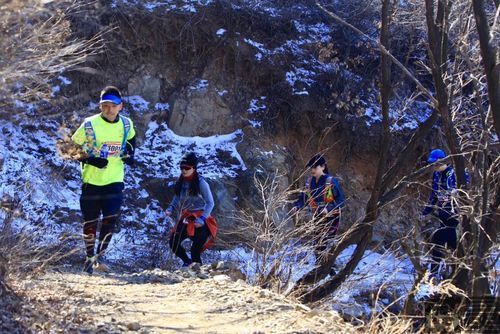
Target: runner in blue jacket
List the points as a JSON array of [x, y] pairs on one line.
[[441, 205], [324, 197]]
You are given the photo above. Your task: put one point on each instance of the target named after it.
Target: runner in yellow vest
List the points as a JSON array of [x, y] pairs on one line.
[[109, 140]]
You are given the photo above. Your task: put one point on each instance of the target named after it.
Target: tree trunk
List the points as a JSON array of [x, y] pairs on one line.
[[489, 53], [364, 231]]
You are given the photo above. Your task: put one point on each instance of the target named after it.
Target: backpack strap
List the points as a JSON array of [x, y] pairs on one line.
[[91, 142], [126, 130], [328, 197], [328, 181]]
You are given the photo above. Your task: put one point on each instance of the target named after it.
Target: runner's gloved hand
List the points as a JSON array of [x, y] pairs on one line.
[[128, 157], [129, 160], [199, 222], [95, 161]]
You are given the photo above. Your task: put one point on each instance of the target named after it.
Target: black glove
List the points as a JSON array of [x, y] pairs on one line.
[[129, 160], [95, 161]]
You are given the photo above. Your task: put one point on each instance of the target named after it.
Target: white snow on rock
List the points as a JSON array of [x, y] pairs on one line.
[[300, 77], [302, 92], [162, 106], [221, 32], [395, 273], [259, 46], [257, 105], [401, 118], [137, 103], [200, 84], [317, 32], [55, 90], [186, 6], [259, 6], [255, 124], [64, 81], [222, 92], [163, 150]]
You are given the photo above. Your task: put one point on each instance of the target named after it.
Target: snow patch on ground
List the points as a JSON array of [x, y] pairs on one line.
[[394, 272], [30, 108], [29, 159], [374, 270]]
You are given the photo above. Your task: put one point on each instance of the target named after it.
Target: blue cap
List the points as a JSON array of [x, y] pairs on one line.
[[436, 155], [110, 98]]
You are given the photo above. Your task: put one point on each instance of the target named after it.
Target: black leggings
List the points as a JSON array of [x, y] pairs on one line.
[[444, 237], [201, 235], [331, 227], [94, 201]]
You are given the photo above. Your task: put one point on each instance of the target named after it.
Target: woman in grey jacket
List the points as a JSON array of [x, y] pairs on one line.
[[194, 202]]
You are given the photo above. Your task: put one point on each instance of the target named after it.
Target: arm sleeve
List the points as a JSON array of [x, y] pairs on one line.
[[452, 182], [433, 196], [131, 133], [338, 194], [300, 202], [79, 136], [173, 203], [130, 150], [207, 196]]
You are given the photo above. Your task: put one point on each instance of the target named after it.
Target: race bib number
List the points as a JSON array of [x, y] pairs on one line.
[[114, 149]]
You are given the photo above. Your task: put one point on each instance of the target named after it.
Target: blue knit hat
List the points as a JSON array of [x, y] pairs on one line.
[[435, 155]]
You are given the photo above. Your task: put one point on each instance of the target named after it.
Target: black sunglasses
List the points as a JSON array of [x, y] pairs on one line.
[[186, 167]]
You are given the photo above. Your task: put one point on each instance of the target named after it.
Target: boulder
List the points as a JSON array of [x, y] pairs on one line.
[[202, 112], [146, 86]]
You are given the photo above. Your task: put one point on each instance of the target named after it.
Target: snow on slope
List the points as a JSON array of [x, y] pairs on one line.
[[46, 188], [163, 150]]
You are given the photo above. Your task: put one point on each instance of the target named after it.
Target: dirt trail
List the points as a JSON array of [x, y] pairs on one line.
[[163, 302]]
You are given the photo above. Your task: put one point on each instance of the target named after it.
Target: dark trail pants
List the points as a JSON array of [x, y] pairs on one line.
[[444, 237], [200, 237], [94, 201], [332, 225]]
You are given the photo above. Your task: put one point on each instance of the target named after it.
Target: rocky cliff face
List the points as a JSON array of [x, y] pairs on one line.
[[255, 88]]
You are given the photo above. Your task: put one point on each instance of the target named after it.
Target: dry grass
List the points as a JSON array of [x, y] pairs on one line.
[[38, 44], [22, 258]]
